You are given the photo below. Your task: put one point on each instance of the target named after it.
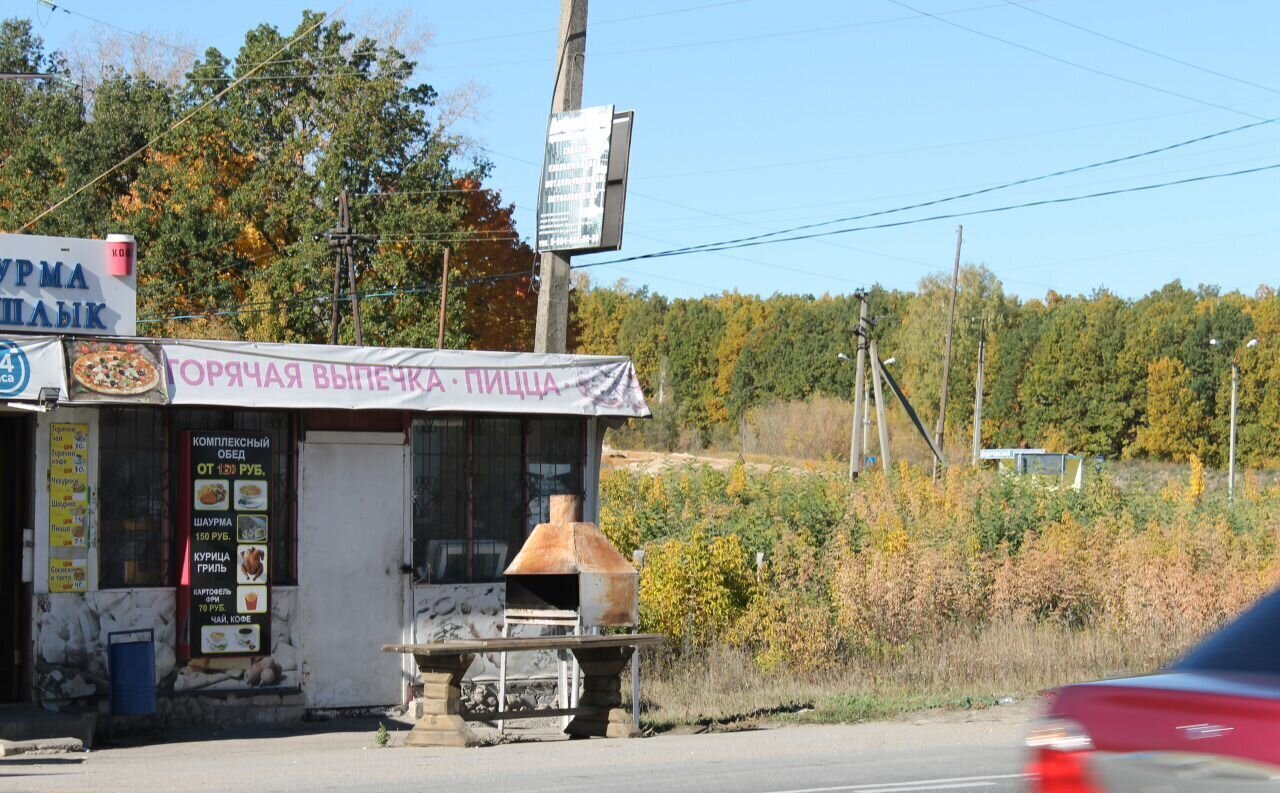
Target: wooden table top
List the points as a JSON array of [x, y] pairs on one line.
[[518, 643]]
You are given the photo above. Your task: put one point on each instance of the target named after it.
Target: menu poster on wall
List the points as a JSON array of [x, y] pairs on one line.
[[68, 575], [68, 485], [226, 480]]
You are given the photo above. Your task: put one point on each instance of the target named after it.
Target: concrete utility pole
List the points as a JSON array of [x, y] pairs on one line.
[[856, 441], [866, 420], [977, 396], [1235, 388], [1231, 455], [877, 376], [946, 361], [552, 329]]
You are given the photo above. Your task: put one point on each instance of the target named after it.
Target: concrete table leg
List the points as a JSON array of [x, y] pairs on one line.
[[601, 702], [441, 723]]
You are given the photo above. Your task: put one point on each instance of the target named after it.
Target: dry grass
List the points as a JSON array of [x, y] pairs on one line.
[[724, 685], [816, 429]]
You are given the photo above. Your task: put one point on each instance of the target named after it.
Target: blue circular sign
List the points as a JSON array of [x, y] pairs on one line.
[[15, 369]]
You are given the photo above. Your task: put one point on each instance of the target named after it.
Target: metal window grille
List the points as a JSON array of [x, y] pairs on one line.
[[480, 485], [556, 453], [132, 527], [440, 520], [497, 450]]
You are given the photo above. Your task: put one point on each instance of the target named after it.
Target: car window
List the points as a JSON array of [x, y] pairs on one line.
[[1251, 643]]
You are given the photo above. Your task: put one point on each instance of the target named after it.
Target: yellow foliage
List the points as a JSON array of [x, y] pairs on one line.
[[911, 560], [736, 490], [789, 621], [1055, 440], [1195, 483], [692, 590]]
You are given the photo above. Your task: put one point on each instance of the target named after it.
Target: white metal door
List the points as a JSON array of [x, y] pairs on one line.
[[351, 541]]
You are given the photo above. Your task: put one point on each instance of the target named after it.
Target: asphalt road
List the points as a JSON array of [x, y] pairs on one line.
[[977, 752]]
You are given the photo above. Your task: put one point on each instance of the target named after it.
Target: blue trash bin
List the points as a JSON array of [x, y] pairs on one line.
[[131, 668]]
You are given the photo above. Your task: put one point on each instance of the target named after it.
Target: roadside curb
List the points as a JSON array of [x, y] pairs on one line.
[[41, 746]]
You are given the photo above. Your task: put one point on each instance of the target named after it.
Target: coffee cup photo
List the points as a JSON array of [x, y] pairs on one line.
[[214, 639]]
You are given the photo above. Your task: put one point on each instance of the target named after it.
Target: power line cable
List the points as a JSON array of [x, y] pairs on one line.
[[1064, 61], [708, 212], [385, 193], [1004, 185], [1145, 50], [589, 25], [55, 7], [705, 249], [713, 247], [733, 40], [178, 123], [761, 226], [184, 50], [912, 150], [260, 306]]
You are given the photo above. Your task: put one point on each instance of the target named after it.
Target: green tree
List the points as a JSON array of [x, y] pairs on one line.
[[1074, 388], [922, 341]]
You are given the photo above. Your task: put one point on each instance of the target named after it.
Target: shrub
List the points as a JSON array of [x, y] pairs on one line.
[[885, 566]]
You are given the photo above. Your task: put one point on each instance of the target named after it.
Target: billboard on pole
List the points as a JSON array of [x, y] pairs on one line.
[[587, 151]]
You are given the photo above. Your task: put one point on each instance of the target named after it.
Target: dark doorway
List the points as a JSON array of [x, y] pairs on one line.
[[17, 456]]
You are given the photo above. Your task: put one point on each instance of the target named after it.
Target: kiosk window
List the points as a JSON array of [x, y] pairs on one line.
[[480, 485], [138, 481], [133, 547], [281, 527]]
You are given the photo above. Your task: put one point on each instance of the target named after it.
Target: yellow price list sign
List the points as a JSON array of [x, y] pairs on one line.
[[68, 485]]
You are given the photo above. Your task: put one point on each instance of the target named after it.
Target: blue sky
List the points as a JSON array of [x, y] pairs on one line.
[[758, 115]]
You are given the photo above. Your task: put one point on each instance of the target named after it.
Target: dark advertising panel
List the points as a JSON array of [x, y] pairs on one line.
[[226, 477]]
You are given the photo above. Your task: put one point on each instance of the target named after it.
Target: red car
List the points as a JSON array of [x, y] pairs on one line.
[[1210, 724]]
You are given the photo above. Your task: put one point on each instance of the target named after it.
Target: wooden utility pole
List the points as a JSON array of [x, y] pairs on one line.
[[859, 389], [552, 329], [882, 424], [444, 298], [977, 396], [342, 239], [946, 361]]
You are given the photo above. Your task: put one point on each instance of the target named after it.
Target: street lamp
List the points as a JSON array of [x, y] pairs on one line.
[[1231, 453]]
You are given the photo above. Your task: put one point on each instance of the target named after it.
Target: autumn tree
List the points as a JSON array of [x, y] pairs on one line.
[[1175, 422], [230, 207]]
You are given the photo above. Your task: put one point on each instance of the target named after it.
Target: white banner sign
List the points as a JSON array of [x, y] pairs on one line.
[[68, 285], [246, 374], [28, 364]]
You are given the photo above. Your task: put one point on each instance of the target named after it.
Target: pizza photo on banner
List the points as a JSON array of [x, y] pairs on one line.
[[115, 371]]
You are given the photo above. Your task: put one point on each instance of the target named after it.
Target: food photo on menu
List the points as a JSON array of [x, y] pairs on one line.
[[251, 493], [253, 564], [251, 599], [210, 494], [251, 528], [230, 638], [215, 638], [247, 638]]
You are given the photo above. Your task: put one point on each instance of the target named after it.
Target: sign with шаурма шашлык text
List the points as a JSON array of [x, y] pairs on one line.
[[68, 285]]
